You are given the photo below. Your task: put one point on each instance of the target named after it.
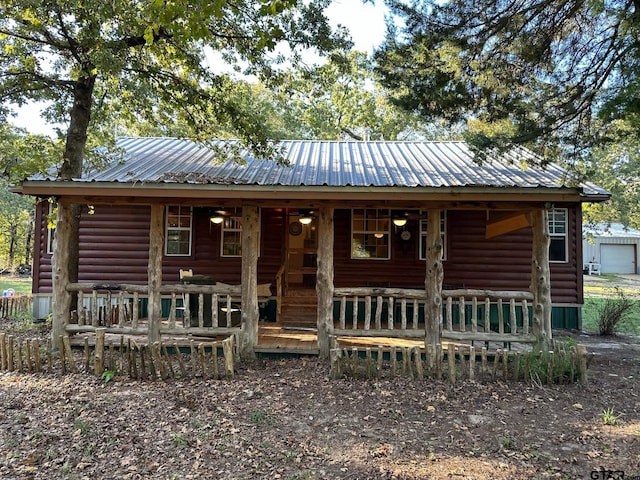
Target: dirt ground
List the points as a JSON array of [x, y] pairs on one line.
[[286, 419]]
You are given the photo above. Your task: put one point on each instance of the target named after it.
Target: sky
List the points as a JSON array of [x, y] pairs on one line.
[[364, 21]]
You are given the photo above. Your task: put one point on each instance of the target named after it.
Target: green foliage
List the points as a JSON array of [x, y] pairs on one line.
[[609, 417], [109, 374], [538, 72], [260, 417], [118, 62], [563, 370], [614, 312]]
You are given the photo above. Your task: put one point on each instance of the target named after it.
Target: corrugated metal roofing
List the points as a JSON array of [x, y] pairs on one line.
[[334, 164], [610, 230]]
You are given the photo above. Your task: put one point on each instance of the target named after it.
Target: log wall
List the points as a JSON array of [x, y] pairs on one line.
[[114, 248]]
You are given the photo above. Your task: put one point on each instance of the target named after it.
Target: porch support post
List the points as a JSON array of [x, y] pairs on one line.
[[61, 307], [154, 271], [324, 280], [433, 280], [250, 312], [541, 277]]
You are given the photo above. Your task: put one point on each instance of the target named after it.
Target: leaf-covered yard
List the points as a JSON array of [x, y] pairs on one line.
[[285, 418]]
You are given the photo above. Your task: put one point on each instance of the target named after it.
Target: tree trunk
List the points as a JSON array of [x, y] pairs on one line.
[[433, 281], [154, 278], [541, 278], [72, 160], [250, 311], [28, 254], [13, 241], [324, 280]]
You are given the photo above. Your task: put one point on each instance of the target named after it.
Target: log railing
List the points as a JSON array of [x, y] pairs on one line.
[[379, 312], [117, 307], [468, 315], [487, 315]]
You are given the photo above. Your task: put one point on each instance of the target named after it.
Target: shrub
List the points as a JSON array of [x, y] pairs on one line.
[[614, 312]]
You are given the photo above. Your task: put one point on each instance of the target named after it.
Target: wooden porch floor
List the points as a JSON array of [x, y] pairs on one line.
[[273, 338]]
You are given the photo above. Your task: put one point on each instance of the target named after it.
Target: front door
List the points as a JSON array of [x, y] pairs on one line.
[[301, 251]]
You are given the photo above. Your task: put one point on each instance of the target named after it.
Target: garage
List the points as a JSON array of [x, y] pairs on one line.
[[617, 258]]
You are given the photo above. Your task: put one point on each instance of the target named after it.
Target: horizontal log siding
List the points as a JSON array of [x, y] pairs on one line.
[[501, 263], [114, 248], [115, 243]]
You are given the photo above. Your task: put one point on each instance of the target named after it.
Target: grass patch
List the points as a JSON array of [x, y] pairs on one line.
[[21, 285]]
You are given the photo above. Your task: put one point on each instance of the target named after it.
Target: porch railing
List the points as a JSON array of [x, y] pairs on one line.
[[119, 308], [468, 315]]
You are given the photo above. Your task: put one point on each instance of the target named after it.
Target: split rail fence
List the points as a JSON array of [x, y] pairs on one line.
[[11, 307], [564, 364], [161, 360]]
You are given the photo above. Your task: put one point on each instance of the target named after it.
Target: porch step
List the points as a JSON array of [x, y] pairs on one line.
[[299, 309]]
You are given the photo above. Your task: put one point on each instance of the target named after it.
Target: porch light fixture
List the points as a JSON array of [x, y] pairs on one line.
[[217, 216], [400, 221], [305, 217], [378, 235]]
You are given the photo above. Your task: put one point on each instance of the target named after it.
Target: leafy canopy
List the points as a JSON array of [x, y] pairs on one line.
[[531, 72], [96, 61]]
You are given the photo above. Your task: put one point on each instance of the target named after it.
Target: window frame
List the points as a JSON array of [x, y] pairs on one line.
[[423, 235], [178, 228], [237, 214], [225, 229], [378, 217], [552, 223]]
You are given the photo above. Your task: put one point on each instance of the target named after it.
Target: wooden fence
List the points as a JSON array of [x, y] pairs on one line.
[[468, 315], [563, 364], [11, 307], [161, 360]]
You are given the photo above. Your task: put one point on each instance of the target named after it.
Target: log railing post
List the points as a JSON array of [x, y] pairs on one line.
[[154, 270], [324, 280], [60, 265], [541, 278], [250, 311], [433, 280]]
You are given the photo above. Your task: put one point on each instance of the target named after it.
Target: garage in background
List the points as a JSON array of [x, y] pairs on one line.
[[613, 248]]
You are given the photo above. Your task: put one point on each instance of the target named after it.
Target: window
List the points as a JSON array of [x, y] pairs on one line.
[[52, 213], [231, 244], [558, 233], [370, 234], [423, 236], [178, 234]]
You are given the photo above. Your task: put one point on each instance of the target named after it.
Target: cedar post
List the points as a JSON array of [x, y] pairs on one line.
[[250, 311], [541, 278], [60, 266], [324, 280], [433, 280], [154, 271]]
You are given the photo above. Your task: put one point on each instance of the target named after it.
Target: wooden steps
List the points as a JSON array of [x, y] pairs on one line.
[[299, 309]]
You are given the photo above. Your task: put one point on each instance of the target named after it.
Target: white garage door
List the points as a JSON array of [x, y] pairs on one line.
[[617, 258]]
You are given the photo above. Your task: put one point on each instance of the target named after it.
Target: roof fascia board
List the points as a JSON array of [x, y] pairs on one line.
[[260, 192]]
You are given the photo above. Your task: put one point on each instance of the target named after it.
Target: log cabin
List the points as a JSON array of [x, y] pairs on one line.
[[372, 239]]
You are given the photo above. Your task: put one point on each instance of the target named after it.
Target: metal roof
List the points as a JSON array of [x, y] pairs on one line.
[[334, 164], [610, 230]]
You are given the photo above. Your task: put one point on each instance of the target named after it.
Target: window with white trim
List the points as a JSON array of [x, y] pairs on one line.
[[231, 243], [423, 235], [558, 246], [179, 221], [370, 234]]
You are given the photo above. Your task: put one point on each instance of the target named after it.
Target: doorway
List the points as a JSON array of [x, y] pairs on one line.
[[301, 251]]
